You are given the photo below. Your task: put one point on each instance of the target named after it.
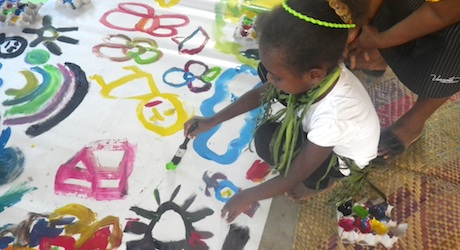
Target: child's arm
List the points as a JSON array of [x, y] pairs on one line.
[[309, 159], [248, 101], [429, 18]]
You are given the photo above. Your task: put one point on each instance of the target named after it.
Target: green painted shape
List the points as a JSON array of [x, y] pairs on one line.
[[171, 166], [36, 104], [31, 85], [37, 56], [226, 46]]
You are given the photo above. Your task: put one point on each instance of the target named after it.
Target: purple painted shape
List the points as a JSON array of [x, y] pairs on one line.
[[95, 173], [53, 105]]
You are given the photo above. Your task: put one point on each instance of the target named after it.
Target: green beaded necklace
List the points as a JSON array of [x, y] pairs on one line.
[[283, 153]]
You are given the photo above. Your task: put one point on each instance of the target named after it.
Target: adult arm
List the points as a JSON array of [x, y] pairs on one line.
[[429, 18], [308, 160]]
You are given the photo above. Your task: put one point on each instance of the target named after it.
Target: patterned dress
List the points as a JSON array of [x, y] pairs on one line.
[[429, 66]]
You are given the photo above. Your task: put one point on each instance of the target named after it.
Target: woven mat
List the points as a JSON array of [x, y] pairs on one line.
[[423, 184]]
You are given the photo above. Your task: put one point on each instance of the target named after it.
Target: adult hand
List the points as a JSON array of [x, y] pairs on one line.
[[203, 124], [235, 206], [369, 38]]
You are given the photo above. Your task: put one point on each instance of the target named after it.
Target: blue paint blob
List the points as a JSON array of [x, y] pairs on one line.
[[5, 241], [200, 144], [225, 184], [11, 165], [43, 229]]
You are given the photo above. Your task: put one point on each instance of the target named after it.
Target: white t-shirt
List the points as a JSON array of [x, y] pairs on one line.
[[346, 120]]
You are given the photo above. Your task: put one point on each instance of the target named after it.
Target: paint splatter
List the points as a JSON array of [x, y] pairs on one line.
[[95, 173], [14, 195], [207, 108], [237, 238], [193, 238]]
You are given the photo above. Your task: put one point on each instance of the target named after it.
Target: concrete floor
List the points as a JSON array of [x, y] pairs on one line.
[[279, 230]]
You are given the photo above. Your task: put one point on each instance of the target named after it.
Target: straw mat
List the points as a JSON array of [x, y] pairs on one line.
[[423, 184]]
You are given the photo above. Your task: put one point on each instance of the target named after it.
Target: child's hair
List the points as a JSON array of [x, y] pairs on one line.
[[303, 45]]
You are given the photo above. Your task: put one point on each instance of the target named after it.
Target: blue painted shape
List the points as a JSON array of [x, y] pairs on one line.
[[207, 109], [1, 80], [43, 230], [11, 165], [5, 241], [14, 195], [188, 77], [224, 185], [4, 137]]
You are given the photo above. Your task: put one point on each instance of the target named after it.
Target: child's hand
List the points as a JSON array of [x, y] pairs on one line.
[[235, 206], [204, 124]]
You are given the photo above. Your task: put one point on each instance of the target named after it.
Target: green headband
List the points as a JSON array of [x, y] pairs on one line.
[[316, 21]]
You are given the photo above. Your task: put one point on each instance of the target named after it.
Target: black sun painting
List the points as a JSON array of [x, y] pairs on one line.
[[193, 238]]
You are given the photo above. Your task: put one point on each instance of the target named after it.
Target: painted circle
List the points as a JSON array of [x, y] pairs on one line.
[[37, 56]]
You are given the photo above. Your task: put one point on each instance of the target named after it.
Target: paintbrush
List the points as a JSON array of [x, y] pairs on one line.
[[181, 150]]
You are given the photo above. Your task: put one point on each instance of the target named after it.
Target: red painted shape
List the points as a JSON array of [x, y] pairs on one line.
[[153, 104], [258, 171], [95, 174], [66, 242], [100, 240]]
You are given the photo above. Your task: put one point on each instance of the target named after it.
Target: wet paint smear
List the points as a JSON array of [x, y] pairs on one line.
[[193, 238], [37, 56], [81, 89], [200, 144], [237, 238], [14, 195]]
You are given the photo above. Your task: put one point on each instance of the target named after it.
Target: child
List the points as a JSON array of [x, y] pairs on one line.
[[323, 98]]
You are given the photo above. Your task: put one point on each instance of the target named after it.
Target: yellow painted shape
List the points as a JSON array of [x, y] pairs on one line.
[[167, 4], [87, 224], [182, 115], [107, 88]]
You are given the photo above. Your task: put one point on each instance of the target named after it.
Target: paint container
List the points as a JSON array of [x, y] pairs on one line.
[[172, 165]]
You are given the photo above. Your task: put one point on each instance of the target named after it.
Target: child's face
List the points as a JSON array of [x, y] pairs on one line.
[[281, 76]]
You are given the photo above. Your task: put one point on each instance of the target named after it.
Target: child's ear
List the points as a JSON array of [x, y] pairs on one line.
[[315, 76]]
